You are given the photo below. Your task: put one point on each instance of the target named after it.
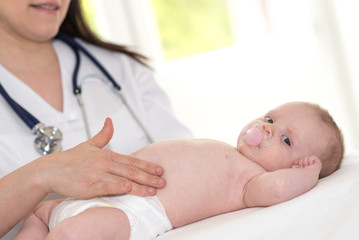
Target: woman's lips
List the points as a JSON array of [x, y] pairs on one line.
[[49, 6]]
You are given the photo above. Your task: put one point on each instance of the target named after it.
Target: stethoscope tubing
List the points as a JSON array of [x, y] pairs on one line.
[[34, 124], [27, 117], [76, 46]]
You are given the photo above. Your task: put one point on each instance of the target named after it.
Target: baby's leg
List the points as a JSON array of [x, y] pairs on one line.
[[93, 223], [32, 228], [36, 225]]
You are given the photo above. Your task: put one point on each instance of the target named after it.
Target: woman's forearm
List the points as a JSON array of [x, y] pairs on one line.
[[20, 192]]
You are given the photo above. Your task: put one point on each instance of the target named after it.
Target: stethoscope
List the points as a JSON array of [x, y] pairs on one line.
[[48, 138]]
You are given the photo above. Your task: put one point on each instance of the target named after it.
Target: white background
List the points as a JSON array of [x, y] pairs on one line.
[[304, 50]]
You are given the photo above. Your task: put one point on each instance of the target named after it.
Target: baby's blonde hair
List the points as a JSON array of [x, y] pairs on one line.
[[333, 153]]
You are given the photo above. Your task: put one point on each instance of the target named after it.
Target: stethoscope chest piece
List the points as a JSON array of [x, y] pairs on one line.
[[48, 139]]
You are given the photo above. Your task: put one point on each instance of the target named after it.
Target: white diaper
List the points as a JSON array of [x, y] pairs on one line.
[[146, 215]]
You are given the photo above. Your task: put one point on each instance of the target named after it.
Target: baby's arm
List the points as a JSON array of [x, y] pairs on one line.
[[284, 184]]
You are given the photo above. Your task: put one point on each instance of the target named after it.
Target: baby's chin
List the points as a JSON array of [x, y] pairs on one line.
[[240, 142], [246, 151]]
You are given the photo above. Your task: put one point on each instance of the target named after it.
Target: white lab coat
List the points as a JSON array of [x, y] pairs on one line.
[[147, 100]]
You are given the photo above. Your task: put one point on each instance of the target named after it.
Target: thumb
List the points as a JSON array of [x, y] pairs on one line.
[[104, 136]]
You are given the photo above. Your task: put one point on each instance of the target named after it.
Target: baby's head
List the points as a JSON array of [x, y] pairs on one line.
[[290, 132]]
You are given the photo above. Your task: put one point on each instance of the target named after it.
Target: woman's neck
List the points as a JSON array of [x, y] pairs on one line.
[[20, 53], [36, 64]]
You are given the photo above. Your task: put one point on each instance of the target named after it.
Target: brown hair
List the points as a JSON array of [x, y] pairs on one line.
[[75, 25], [333, 153]]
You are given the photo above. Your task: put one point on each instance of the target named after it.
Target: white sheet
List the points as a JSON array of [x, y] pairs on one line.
[[329, 211]]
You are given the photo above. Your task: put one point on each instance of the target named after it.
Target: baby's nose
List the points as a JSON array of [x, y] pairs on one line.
[[268, 128]]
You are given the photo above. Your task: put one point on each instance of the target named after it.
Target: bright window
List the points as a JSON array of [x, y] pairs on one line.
[[189, 27], [89, 13]]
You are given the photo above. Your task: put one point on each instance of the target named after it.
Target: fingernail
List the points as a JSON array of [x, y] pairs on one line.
[[158, 170], [151, 190], [160, 182], [128, 186]]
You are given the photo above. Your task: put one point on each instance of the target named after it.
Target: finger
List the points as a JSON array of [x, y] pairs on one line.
[[295, 164], [109, 188], [142, 190], [315, 159], [305, 162], [136, 188], [145, 166], [131, 172], [112, 184], [102, 138], [138, 176]]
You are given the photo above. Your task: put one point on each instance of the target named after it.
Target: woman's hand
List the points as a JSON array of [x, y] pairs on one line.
[[88, 170], [84, 171]]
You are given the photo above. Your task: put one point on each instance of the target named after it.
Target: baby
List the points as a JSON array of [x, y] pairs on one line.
[[279, 156]]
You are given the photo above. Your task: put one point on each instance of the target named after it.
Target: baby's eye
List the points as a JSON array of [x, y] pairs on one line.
[[286, 140], [269, 119]]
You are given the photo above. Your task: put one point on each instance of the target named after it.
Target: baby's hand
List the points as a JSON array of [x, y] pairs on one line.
[[311, 162]]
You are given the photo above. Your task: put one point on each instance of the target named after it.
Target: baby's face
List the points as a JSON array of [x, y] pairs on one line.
[[288, 133]]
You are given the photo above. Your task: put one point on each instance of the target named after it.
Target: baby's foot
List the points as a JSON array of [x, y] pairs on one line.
[[311, 162]]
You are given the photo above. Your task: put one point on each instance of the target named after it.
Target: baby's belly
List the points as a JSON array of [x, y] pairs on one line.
[[203, 178]]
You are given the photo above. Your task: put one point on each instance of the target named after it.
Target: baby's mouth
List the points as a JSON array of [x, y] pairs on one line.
[[255, 138]]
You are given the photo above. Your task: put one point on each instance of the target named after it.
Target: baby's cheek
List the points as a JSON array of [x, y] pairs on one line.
[[245, 151]]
